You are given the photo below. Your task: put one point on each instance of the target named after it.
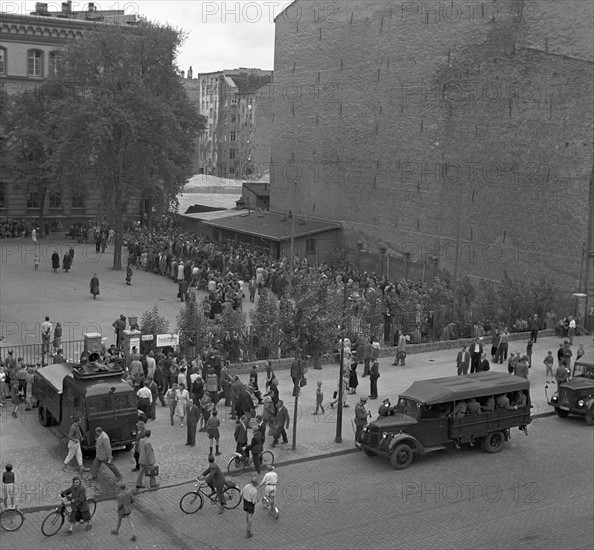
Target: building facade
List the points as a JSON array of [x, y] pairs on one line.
[[30, 53], [448, 130], [236, 142]]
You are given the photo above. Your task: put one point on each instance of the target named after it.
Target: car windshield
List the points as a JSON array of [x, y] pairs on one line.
[[586, 371], [408, 407]]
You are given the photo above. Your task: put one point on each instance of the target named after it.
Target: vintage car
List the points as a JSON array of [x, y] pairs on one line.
[[576, 396], [425, 417]]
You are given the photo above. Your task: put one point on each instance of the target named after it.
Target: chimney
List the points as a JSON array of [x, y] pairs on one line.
[[92, 6], [40, 8], [190, 72], [67, 7]]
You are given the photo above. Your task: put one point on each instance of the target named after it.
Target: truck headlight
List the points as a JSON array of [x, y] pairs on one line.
[[581, 403], [555, 397]]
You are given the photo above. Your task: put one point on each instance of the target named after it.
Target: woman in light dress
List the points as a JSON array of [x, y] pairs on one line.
[[182, 402]]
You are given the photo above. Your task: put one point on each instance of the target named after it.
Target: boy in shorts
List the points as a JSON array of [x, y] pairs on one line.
[[212, 428], [250, 497], [8, 487]]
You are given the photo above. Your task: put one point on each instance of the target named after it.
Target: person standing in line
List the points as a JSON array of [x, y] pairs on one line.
[[125, 503], [212, 428], [319, 398], [103, 455], [249, 494], [462, 361], [94, 286], [283, 421], [146, 459], [80, 507], [192, 419], [74, 450], [373, 376]]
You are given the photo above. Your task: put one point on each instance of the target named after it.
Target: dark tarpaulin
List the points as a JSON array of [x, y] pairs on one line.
[[455, 388]]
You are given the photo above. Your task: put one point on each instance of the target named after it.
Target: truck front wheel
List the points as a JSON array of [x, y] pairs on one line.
[[493, 443], [368, 452], [561, 413], [45, 417], [401, 456], [590, 416]]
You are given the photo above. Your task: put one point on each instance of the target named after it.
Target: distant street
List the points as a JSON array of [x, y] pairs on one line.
[[537, 493]]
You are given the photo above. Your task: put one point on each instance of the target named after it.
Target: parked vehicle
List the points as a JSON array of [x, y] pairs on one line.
[[576, 396], [425, 419], [94, 392]]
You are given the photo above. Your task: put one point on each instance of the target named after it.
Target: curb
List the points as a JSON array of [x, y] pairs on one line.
[[301, 460]]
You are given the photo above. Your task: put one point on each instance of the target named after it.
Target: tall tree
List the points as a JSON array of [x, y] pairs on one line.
[[128, 112]]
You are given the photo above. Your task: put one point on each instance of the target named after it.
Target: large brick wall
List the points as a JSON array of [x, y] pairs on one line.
[[417, 124]]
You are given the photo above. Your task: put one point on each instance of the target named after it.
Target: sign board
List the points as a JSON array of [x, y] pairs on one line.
[[167, 340], [134, 343], [147, 337]]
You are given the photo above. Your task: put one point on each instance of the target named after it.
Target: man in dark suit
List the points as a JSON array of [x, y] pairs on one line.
[[476, 350], [256, 447], [463, 361], [484, 364], [241, 434], [193, 417]]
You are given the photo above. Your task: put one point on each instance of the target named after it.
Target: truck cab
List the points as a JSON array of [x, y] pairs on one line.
[[94, 392], [576, 396], [428, 417]]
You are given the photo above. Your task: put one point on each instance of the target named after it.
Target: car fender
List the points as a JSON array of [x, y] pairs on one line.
[[416, 445]]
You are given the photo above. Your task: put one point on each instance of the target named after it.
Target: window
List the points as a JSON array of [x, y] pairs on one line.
[[55, 200], [233, 118], [2, 195], [233, 136], [310, 246], [232, 154], [232, 168], [55, 61], [2, 61], [234, 101], [32, 200], [78, 200], [34, 66]]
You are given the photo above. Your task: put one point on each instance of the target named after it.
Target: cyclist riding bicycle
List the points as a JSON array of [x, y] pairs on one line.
[[269, 483]]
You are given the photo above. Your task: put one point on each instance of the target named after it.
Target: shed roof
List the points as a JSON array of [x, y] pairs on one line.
[[455, 388], [274, 226]]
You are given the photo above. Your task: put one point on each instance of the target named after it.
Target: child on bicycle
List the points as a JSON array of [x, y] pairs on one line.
[[8, 487], [269, 482]]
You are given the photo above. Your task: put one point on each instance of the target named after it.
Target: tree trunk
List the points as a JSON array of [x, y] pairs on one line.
[[42, 195], [118, 213]]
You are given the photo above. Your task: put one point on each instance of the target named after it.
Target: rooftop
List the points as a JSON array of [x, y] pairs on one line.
[[275, 226], [259, 188]]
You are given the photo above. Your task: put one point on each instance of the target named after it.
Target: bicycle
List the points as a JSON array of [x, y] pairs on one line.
[[11, 518], [239, 462], [54, 521], [193, 501], [270, 506]]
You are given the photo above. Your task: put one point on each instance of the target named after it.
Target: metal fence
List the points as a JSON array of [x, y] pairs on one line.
[[34, 353]]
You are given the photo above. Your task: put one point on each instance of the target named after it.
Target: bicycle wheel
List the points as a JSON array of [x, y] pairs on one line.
[[266, 459], [236, 466], [232, 497], [191, 502], [52, 523], [11, 519], [92, 505]]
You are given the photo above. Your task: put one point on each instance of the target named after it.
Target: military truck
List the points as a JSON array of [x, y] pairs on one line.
[[94, 392], [576, 396], [424, 419]]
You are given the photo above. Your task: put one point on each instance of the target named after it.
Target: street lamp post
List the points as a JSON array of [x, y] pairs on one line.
[[338, 438]]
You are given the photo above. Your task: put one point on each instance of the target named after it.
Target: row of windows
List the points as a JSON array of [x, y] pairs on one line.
[[55, 199], [35, 63]]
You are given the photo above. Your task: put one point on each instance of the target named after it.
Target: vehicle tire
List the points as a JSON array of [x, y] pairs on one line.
[[191, 502], [589, 418], [52, 524], [266, 459], [232, 497], [493, 443], [561, 413], [92, 505], [401, 456], [369, 452], [236, 466], [129, 447], [45, 417], [11, 519]]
